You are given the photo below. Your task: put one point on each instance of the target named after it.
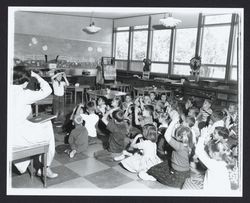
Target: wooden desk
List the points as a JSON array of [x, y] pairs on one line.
[[46, 101], [144, 90], [118, 86], [80, 89], [103, 93]]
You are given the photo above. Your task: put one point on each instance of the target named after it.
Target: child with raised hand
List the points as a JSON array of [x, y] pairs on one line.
[[127, 103], [101, 107], [58, 98], [116, 138], [214, 158], [91, 120], [147, 157], [78, 139], [175, 174], [205, 113], [146, 117]]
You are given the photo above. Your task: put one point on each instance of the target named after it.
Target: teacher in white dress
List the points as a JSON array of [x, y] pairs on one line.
[[24, 132]]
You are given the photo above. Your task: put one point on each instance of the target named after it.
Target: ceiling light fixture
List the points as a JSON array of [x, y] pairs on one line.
[[91, 29], [170, 21]]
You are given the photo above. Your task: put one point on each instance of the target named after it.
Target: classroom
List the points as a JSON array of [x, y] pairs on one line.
[[125, 101]]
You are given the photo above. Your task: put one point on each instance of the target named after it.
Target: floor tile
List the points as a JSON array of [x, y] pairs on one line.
[[154, 184], [109, 163], [75, 183], [65, 159], [55, 163], [93, 148], [64, 174], [24, 181], [109, 178], [86, 166], [122, 170], [132, 185]]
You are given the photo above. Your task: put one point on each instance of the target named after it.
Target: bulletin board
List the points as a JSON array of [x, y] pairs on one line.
[[109, 70]]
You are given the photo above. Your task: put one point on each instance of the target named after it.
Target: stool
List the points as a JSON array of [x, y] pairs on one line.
[[27, 152]]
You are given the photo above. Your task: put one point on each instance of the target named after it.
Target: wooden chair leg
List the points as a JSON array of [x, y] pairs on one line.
[[44, 157], [31, 168]]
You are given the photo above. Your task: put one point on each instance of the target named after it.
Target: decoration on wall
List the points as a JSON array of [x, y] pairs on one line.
[[45, 48], [99, 49], [30, 44], [34, 40], [90, 49], [146, 68], [195, 64], [147, 63]]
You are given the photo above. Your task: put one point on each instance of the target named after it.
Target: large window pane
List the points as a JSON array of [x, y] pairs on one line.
[[121, 65], [215, 45], [121, 51], [181, 69], [159, 68], [212, 72], [140, 39], [216, 19], [185, 44], [161, 45], [136, 66]]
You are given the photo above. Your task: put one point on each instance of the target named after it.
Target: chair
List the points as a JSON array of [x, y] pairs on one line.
[[68, 96], [27, 152]]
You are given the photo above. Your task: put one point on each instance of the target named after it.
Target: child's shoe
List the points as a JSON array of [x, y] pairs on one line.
[[144, 176], [72, 153]]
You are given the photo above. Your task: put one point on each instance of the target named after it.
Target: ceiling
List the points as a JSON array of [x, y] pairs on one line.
[[108, 13], [118, 12]]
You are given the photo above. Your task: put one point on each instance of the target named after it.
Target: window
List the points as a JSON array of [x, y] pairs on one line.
[[121, 51], [161, 45], [218, 19], [140, 39], [215, 45], [181, 69], [233, 73], [159, 67], [121, 65], [185, 45]]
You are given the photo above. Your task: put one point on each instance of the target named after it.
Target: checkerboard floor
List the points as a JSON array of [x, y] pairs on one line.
[[84, 171]]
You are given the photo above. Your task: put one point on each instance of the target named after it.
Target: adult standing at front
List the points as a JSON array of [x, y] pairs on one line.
[[24, 132], [58, 98]]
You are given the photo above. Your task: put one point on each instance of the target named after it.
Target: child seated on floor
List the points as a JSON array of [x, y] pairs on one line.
[[205, 113], [128, 101], [146, 157], [146, 117], [101, 106], [173, 174], [213, 155], [118, 130], [91, 120], [163, 148], [78, 138]]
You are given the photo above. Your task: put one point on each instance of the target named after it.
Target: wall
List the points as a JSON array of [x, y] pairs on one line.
[[37, 34]]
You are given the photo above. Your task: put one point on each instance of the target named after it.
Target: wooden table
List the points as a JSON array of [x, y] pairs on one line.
[[118, 86], [103, 93], [143, 90]]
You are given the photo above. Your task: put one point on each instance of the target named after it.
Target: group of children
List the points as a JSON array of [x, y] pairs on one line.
[[160, 138]]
